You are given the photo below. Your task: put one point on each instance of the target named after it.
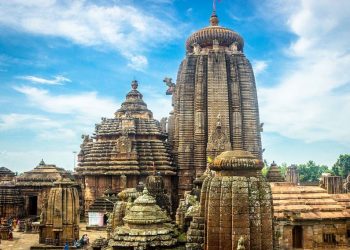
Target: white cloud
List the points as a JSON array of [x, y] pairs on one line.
[[127, 29], [312, 100], [21, 121], [87, 107], [259, 66], [58, 117], [57, 80]]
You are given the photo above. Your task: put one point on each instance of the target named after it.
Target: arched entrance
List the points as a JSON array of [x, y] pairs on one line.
[[297, 237]]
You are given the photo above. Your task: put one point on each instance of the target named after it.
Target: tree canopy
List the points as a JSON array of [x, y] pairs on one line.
[[342, 165], [311, 172]]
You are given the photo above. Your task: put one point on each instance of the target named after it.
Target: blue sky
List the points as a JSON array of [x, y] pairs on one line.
[[66, 64]]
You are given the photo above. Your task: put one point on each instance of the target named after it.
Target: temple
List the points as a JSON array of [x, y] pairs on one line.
[[215, 102], [35, 185], [124, 151], [192, 181]]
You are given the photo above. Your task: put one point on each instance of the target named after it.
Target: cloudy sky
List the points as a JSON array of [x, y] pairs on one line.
[[66, 64]]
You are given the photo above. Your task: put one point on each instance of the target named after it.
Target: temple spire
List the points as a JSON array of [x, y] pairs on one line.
[[214, 20], [134, 84]]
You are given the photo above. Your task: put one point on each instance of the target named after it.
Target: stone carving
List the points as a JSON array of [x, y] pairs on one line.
[[196, 49], [170, 84], [241, 242], [123, 144], [347, 184], [163, 123], [123, 182], [218, 140], [234, 47]]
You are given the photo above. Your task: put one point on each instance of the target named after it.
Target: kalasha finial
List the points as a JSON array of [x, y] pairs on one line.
[[214, 20], [134, 84]]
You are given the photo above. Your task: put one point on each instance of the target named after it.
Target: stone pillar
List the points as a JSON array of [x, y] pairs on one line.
[[292, 175]]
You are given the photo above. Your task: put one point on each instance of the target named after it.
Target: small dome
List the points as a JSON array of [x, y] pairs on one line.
[[133, 104], [236, 160], [145, 211], [205, 37]]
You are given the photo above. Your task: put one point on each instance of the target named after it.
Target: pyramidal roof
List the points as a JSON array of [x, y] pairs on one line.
[[134, 106]]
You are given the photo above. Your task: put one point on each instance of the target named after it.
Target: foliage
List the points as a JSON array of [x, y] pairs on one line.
[[311, 172], [342, 166], [265, 169], [283, 168]]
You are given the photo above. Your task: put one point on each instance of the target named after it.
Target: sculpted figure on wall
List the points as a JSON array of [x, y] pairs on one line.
[[218, 140], [124, 144]]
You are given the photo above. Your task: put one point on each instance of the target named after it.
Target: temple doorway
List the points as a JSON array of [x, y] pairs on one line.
[[33, 205], [105, 219], [297, 237]]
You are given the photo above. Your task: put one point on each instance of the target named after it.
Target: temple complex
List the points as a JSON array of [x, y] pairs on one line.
[[215, 102], [124, 151], [191, 181]]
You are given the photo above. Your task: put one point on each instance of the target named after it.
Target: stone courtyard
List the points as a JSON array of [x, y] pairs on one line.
[[23, 241]]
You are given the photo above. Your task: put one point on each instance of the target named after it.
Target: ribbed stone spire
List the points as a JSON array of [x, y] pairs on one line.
[[215, 102]]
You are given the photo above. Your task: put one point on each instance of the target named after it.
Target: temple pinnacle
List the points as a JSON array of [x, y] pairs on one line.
[[214, 20], [134, 84]]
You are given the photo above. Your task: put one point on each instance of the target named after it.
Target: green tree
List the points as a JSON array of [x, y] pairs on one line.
[[342, 166], [283, 168], [265, 169], [311, 172]]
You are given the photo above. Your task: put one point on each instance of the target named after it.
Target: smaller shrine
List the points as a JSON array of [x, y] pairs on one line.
[[274, 174], [146, 226], [60, 216], [6, 174], [35, 185], [101, 209], [223, 223]]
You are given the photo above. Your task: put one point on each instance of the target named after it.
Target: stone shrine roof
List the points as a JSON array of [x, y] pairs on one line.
[[146, 225], [132, 143], [6, 172], [205, 37], [293, 202], [134, 104], [274, 174], [42, 175]]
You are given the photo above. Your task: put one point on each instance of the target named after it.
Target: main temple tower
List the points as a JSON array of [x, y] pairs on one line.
[[215, 102]]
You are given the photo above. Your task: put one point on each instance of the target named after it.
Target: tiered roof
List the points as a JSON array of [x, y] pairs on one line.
[[42, 175], [146, 225], [104, 203], [293, 202], [274, 174], [6, 174], [132, 143]]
